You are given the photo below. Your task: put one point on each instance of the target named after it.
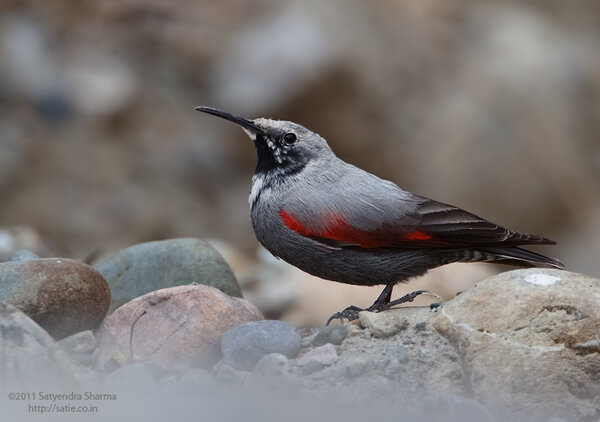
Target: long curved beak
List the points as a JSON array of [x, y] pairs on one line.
[[243, 122]]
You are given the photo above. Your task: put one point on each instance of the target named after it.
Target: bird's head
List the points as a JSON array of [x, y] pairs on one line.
[[280, 145]]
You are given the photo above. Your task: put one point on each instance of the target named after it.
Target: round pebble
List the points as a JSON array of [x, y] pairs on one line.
[[22, 255], [243, 346], [176, 327], [334, 334], [312, 366], [81, 343], [326, 354], [63, 296], [383, 324], [272, 365], [151, 266]]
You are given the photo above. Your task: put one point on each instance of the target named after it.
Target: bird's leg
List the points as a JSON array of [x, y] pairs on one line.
[[351, 312], [382, 303], [383, 299]]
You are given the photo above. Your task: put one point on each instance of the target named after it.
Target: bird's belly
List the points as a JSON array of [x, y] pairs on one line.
[[357, 266], [351, 265]]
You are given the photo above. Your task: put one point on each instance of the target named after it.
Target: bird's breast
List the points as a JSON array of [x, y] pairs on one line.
[[258, 186]]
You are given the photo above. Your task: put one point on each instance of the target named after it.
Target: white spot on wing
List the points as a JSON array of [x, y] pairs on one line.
[[542, 279]]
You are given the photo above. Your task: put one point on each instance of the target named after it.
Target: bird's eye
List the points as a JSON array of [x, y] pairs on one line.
[[290, 137]]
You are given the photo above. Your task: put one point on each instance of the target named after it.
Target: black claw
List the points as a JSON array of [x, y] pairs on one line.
[[332, 317], [435, 305], [350, 313]]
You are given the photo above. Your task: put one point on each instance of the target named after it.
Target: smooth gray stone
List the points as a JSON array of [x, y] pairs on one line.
[[150, 266], [334, 334]]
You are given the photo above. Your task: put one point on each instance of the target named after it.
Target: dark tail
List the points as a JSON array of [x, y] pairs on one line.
[[520, 257]]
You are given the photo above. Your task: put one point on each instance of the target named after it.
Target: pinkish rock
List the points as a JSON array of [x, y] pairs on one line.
[[174, 327]]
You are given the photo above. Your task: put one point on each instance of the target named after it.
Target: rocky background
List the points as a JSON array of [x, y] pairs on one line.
[[492, 105]]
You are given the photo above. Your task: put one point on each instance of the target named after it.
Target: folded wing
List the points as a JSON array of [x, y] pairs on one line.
[[417, 222]]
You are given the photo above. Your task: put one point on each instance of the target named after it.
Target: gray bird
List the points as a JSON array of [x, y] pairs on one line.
[[338, 222]]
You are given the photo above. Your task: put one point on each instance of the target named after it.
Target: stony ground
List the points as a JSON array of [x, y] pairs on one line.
[[519, 346]]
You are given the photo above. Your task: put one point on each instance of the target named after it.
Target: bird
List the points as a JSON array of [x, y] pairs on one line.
[[338, 222]]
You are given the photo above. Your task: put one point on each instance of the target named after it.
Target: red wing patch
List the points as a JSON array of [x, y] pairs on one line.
[[417, 235], [294, 224], [337, 228]]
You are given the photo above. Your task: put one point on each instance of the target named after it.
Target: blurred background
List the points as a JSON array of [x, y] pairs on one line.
[[493, 106]]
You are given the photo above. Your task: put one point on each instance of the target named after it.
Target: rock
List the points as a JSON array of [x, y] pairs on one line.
[[81, 343], [326, 355], [383, 324], [244, 345], [62, 295], [412, 365], [334, 334], [176, 327], [308, 336], [354, 329], [22, 255], [81, 347], [529, 343], [150, 266], [312, 366], [30, 359], [272, 365]]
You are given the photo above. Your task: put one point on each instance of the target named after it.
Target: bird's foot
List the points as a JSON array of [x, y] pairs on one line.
[[351, 312]]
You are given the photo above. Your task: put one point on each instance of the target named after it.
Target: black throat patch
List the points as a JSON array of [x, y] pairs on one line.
[[276, 159]]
